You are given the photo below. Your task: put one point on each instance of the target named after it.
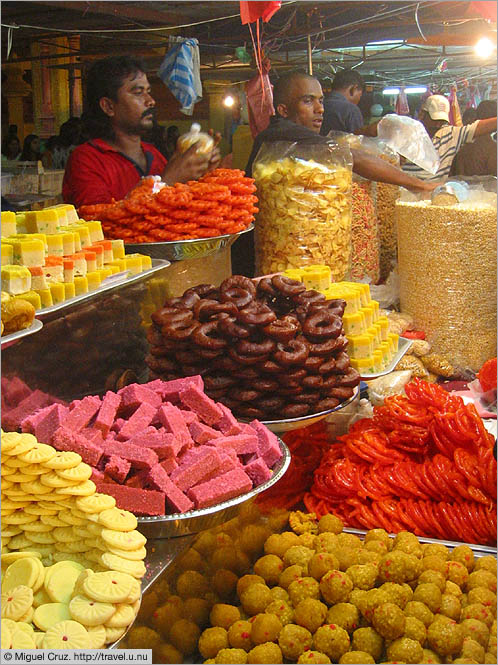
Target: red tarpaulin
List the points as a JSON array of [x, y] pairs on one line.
[[483, 7], [251, 11]]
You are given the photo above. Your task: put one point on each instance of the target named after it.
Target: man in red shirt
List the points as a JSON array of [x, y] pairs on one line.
[[120, 111]]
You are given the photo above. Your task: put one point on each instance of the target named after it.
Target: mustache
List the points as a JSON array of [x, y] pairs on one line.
[[151, 112]]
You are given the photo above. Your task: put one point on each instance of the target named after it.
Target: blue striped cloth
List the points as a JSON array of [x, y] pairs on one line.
[[180, 72]]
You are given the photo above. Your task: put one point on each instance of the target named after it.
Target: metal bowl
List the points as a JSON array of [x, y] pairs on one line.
[[186, 249], [183, 524], [289, 424]]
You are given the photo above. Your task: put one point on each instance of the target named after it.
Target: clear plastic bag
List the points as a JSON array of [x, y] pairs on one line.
[[304, 193], [391, 384], [409, 138]]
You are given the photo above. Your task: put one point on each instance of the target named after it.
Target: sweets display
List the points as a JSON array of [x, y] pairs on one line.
[[295, 588], [17, 314], [160, 447], [459, 316], [365, 254], [71, 561], [305, 209], [424, 462], [50, 256], [221, 202], [266, 350]]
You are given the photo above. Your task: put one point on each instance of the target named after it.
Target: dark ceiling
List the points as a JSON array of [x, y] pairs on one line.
[[441, 30]]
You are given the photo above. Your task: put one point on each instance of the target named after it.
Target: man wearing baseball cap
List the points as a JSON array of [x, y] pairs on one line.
[[447, 139]]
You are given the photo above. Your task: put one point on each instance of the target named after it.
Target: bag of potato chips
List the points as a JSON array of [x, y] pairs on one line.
[[304, 193]]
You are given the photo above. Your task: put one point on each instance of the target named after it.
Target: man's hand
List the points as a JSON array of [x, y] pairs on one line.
[[189, 165], [215, 159]]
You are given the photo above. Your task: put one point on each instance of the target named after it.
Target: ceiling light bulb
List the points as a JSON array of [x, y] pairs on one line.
[[484, 47], [228, 101]]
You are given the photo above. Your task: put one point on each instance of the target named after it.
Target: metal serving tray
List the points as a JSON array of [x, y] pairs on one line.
[[289, 424], [187, 249], [403, 347], [117, 281], [12, 338], [183, 524]]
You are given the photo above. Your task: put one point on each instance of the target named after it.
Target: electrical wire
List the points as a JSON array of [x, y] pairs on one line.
[[418, 24]]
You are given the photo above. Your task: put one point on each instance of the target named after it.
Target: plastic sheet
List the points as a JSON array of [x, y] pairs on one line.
[[305, 207], [409, 138], [447, 270]]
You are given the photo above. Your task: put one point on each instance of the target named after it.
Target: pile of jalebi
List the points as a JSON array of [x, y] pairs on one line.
[[307, 446], [423, 463], [219, 203]]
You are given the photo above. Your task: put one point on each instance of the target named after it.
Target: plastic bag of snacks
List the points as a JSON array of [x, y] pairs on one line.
[[304, 195]]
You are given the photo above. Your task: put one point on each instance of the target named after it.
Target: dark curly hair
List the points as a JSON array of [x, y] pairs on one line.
[[104, 79]]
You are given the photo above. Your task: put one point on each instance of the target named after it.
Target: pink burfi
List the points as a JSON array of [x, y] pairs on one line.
[[139, 501], [227, 464], [158, 440], [82, 413], [14, 390], [64, 439], [219, 489], [228, 424], [189, 417], [94, 436], [117, 468], [140, 457], [190, 472], [170, 390], [202, 433], [206, 408], [171, 417], [97, 474], [257, 471], [107, 412], [243, 444], [175, 498], [169, 465], [268, 447], [138, 421], [117, 424], [135, 394], [43, 423], [11, 421]]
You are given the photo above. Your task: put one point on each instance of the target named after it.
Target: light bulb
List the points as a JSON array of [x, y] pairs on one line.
[[228, 101], [484, 48]]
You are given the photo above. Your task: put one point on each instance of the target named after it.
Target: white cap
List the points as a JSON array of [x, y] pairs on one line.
[[438, 107]]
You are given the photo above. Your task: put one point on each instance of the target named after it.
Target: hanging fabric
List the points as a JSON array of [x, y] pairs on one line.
[[455, 114], [259, 93], [251, 11], [402, 107], [180, 72]]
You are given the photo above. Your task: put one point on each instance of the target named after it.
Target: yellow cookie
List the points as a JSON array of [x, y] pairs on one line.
[[81, 532], [72, 556], [63, 460], [97, 635], [19, 517], [94, 529], [78, 586], [19, 542], [68, 517], [122, 617], [135, 555], [35, 509], [135, 593], [41, 538], [22, 640], [35, 487], [60, 580], [109, 587], [27, 627], [113, 562], [40, 598], [63, 534], [21, 477], [23, 571], [9, 558], [77, 547], [11, 531], [94, 556], [8, 504], [124, 540], [96, 543], [90, 612], [66, 635], [9, 441], [76, 473], [16, 602], [24, 443], [46, 616], [113, 634], [13, 463], [17, 494], [34, 527], [28, 616], [118, 519], [84, 488], [35, 469], [7, 635], [52, 521], [38, 454], [38, 637], [52, 479], [136, 606]]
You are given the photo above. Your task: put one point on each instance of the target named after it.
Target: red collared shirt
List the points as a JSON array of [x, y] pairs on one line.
[[97, 173]]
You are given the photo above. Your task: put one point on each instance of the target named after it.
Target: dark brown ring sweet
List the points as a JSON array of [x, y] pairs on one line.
[[225, 364], [294, 410], [238, 296], [293, 352], [159, 350], [336, 306], [350, 379], [257, 314], [173, 302], [202, 290], [205, 309], [193, 369], [248, 348], [342, 392], [246, 360], [174, 345], [266, 287], [271, 367], [154, 335], [218, 381], [264, 385], [248, 373], [322, 325], [312, 363], [327, 367], [164, 315], [189, 299], [313, 382], [329, 382], [294, 376], [208, 354], [179, 329], [269, 403], [326, 404], [309, 397], [291, 389], [308, 297], [245, 394], [229, 327], [160, 364], [239, 281], [341, 363], [287, 286], [327, 348], [282, 331], [248, 411], [206, 335], [186, 356]]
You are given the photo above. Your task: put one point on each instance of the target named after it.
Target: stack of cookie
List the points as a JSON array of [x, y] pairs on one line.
[[71, 561]]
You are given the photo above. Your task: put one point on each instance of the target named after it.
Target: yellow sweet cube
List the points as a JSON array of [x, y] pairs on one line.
[[58, 292], [133, 263], [69, 211], [42, 221], [362, 289], [95, 229], [146, 261], [363, 365], [21, 222], [375, 333], [378, 358], [32, 297], [119, 263], [83, 233], [9, 224], [80, 285], [118, 248], [383, 322], [295, 273], [69, 290], [7, 254], [317, 277], [15, 279], [55, 246], [352, 298], [45, 297], [375, 305], [94, 280], [28, 252], [105, 273], [112, 267], [393, 339], [368, 313], [387, 354], [360, 346], [354, 324]]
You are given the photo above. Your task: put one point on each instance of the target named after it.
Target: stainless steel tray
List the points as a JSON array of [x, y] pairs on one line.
[[187, 249], [12, 338], [403, 346], [114, 282], [289, 424], [183, 524]]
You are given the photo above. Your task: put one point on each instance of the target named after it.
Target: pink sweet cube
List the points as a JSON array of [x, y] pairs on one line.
[[219, 489], [257, 471], [175, 498], [190, 472], [228, 424], [138, 421], [243, 444], [171, 418], [206, 408], [11, 420], [170, 390], [107, 412], [202, 433], [81, 413], [268, 447], [43, 423], [117, 468], [139, 456], [64, 439], [135, 394], [138, 501]]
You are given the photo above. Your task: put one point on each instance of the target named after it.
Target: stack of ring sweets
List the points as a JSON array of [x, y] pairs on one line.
[[71, 561]]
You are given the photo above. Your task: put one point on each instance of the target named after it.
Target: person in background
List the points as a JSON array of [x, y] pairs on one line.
[[31, 149], [172, 136], [11, 148], [69, 137], [341, 112], [120, 111], [479, 157], [158, 138], [446, 138], [51, 145], [469, 116]]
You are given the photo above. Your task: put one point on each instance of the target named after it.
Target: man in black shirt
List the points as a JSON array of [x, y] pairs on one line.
[[341, 112]]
